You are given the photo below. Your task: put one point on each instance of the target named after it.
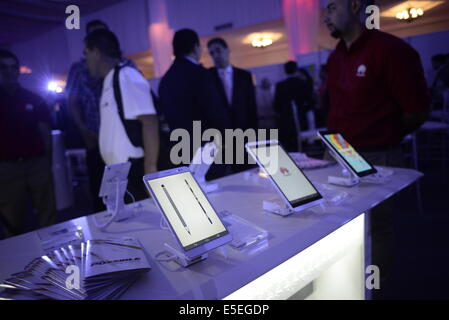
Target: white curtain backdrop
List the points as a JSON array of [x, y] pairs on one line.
[[160, 37], [301, 19]]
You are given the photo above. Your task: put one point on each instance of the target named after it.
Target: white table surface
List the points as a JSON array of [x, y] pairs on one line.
[[223, 272]]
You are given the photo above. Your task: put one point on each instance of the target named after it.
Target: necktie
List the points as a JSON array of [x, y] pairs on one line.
[[226, 80]]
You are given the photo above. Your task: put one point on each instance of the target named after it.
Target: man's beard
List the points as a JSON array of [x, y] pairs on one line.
[[336, 34]]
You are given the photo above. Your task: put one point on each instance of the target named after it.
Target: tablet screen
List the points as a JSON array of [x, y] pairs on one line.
[[284, 172], [187, 209], [348, 153]]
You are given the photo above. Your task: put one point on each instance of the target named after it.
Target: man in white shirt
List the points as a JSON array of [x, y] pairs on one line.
[[128, 120]]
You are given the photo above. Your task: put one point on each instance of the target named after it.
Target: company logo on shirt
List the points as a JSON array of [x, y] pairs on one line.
[[361, 71], [29, 107], [284, 171]]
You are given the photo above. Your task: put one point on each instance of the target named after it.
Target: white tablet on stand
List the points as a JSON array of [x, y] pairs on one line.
[[294, 188], [188, 213], [201, 162]]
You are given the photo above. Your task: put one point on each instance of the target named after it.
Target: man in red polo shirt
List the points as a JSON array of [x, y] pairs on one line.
[[377, 89], [25, 139], [378, 95]]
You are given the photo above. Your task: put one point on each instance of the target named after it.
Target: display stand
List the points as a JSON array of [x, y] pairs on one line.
[[348, 178], [277, 206], [332, 196], [176, 253], [112, 191], [115, 203], [382, 176], [201, 162], [181, 258], [244, 233]]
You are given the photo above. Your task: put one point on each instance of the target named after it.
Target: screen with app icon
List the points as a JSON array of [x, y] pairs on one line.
[[284, 172], [348, 153]]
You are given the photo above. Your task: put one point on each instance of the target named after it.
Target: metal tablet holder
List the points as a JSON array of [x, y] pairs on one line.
[[201, 162], [277, 206], [114, 201], [280, 206], [181, 258], [112, 192], [178, 255], [348, 179]]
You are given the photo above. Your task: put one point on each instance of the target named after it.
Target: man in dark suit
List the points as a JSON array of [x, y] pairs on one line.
[[237, 92], [292, 89], [187, 92]]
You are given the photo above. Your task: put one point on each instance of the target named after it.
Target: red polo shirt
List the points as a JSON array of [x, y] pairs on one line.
[[371, 85], [20, 114]]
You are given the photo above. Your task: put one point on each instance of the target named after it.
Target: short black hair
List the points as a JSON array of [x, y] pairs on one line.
[[290, 67], [219, 41], [105, 41], [5, 54], [184, 42], [94, 23]]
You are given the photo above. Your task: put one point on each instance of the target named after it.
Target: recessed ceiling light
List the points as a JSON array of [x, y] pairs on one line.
[[421, 7]]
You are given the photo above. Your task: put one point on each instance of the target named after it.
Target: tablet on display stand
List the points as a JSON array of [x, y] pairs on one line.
[[354, 166], [112, 191], [188, 213], [201, 162], [296, 191]]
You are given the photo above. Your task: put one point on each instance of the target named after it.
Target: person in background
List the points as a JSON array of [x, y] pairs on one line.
[[265, 97], [310, 102], [322, 106], [188, 92], [378, 95], [237, 94], [444, 73], [25, 151], [293, 89], [304, 75], [437, 85], [438, 61], [129, 128], [83, 94]]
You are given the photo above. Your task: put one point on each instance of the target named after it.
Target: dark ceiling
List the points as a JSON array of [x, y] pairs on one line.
[[23, 19]]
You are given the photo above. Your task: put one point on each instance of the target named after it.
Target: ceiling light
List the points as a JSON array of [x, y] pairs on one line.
[[262, 39], [409, 15], [421, 6]]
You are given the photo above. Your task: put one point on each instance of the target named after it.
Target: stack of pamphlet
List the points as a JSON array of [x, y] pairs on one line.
[[91, 270]]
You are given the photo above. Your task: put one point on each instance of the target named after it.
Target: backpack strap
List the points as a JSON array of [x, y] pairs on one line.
[[133, 128]]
